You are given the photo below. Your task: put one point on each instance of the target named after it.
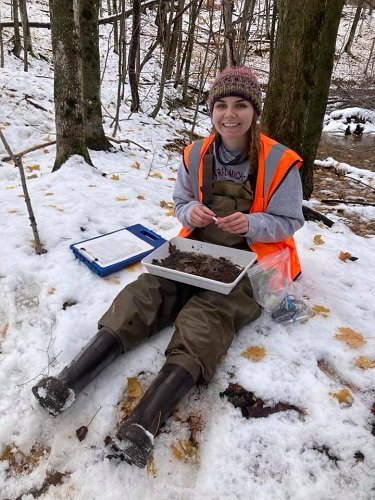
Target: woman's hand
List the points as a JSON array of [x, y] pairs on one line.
[[236, 223], [201, 216]]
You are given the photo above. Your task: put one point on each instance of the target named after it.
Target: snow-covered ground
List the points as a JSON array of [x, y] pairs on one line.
[[49, 306]]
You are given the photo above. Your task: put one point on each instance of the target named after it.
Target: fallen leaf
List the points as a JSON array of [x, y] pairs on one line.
[[166, 204], [345, 256], [12, 211], [57, 208], [45, 151], [113, 281], [173, 179], [254, 353], [3, 329], [31, 168], [152, 470], [33, 176], [20, 462], [135, 267], [318, 240], [136, 165], [364, 363], [184, 450], [81, 433], [343, 397], [48, 194], [92, 186], [170, 213], [140, 197], [10, 187], [121, 198], [350, 337], [156, 175], [133, 395], [115, 177], [51, 291], [321, 310]]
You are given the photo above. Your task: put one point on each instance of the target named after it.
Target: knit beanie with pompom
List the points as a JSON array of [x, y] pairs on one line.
[[240, 82]]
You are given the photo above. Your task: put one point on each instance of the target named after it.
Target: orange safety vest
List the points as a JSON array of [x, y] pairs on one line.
[[274, 163]]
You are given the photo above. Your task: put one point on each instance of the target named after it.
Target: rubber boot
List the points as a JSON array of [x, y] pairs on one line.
[[56, 394], [134, 441]]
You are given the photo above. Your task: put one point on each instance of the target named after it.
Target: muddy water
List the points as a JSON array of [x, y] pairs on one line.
[[356, 151]]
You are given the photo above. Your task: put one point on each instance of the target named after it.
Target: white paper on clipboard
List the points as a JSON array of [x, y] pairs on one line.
[[112, 248]]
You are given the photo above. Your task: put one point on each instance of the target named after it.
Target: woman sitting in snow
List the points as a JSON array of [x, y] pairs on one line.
[[237, 188]]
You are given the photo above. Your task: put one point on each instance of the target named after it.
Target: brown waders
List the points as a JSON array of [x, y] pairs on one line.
[[205, 324]]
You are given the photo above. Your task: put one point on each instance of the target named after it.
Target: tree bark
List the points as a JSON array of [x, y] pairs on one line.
[[300, 77], [16, 23], [349, 43], [133, 55], [89, 41], [231, 56], [68, 81]]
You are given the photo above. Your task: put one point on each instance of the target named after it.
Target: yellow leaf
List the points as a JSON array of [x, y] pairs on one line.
[[51, 291], [48, 194], [254, 353], [170, 213], [133, 395], [350, 337], [136, 165], [343, 397], [173, 179], [31, 168], [323, 311], [318, 240], [121, 198], [364, 363], [4, 329], [113, 281], [166, 204], [152, 470], [10, 187], [21, 196], [57, 208], [115, 177], [156, 175], [12, 211], [184, 450], [140, 197], [33, 176]]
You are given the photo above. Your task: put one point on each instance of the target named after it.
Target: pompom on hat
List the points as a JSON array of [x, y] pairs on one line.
[[240, 82]]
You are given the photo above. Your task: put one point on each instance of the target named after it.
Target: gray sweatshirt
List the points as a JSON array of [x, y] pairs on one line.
[[284, 212]]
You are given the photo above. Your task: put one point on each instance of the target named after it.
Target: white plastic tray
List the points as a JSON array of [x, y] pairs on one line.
[[242, 258]]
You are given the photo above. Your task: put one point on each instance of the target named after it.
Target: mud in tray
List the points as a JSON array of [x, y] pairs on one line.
[[240, 258]]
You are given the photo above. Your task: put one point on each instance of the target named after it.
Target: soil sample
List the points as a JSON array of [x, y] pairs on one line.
[[199, 264]]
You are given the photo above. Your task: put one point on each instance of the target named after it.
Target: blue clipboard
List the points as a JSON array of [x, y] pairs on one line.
[[108, 253]]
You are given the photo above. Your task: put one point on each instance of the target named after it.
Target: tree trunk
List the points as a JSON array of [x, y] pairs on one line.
[[68, 82], [17, 37], [195, 6], [231, 56], [133, 54], [349, 43], [300, 77], [25, 27], [243, 36], [89, 39]]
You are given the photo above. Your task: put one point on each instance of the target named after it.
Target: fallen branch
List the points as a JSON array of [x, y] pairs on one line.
[[359, 182], [18, 163], [120, 141], [33, 148], [348, 202], [311, 214]]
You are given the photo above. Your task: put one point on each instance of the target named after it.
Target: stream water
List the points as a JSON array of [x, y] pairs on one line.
[[356, 151]]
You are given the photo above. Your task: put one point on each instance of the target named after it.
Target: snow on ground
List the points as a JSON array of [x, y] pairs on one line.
[[49, 306]]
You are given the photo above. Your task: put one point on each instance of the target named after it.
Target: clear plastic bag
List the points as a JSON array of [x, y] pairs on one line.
[[275, 290], [271, 279]]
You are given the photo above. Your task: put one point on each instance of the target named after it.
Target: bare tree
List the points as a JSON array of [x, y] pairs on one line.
[[68, 81], [230, 55], [134, 49], [300, 77], [357, 15], [16, 23], [89, 43]]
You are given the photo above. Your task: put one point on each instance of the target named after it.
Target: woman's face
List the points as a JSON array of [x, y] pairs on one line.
[[232, 117]]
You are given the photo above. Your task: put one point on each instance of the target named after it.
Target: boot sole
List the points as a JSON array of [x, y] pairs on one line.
[[134, 445]]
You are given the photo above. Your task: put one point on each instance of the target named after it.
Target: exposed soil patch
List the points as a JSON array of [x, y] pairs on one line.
[[205, 266]]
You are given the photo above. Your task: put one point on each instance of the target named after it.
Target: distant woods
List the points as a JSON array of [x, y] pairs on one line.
[[182, 44]]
